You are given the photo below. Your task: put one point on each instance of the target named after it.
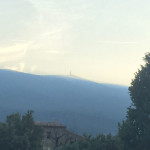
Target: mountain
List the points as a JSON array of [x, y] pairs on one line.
[[83, 106]]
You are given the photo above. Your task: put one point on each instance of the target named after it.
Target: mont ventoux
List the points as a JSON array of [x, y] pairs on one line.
[[83, 106]]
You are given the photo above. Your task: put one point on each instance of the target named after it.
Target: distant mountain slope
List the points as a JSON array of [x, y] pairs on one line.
[[82, 105]]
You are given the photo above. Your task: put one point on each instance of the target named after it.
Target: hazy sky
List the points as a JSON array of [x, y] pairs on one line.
[[100, 40]]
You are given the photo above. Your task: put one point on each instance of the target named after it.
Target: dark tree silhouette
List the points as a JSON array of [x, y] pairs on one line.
[[20, 133], [134, 132]]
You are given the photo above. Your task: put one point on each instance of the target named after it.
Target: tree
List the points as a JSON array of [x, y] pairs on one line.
[[100, 142], [56, 135], [20, 133], [134, 132]]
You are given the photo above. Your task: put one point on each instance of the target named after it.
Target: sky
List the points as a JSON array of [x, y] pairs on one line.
[[100, 40]]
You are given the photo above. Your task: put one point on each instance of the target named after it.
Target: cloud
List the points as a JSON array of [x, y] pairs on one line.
[[18, 21], [23, 41], [13, 52], [18, 67], [21, 67], [33, 68], [117, 42], [52, 32], [57, 52]]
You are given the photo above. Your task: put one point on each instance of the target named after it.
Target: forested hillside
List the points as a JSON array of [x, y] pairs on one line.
[[82, 105]]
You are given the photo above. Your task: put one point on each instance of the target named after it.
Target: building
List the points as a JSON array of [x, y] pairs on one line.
[[56, 134]]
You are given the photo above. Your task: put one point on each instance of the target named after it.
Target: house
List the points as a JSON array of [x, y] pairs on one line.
[[56, 134]]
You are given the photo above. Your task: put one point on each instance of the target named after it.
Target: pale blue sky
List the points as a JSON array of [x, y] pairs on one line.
[[100, 40]]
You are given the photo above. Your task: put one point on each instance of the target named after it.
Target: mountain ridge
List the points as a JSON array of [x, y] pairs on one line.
[[65, 76], [82, 105]]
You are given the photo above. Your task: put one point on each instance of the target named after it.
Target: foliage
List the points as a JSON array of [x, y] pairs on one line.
[[100, 142], [20, 133], [134, 133]]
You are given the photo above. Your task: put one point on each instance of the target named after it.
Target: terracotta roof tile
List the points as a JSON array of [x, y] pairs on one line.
[[50, 124]]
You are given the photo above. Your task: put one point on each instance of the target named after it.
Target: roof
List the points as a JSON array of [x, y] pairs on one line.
[[50, 124]]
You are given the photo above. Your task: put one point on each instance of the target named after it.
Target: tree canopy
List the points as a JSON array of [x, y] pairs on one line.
[[134, 132], [20, 133], [100, 142]]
